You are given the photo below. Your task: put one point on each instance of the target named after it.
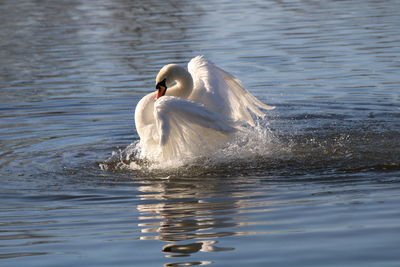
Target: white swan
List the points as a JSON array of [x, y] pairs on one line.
[[195, 116]]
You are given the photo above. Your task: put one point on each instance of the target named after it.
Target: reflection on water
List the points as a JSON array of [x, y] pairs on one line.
[[186, 210]]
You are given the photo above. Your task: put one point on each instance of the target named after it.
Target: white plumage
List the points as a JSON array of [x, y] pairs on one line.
[[197, 115]]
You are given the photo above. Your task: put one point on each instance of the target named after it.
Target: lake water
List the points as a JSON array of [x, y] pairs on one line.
[[321, 189]]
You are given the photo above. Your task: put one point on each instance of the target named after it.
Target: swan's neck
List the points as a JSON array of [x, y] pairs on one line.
[[184, 84]]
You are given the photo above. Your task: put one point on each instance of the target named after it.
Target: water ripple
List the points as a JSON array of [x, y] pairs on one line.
[[72, 72]]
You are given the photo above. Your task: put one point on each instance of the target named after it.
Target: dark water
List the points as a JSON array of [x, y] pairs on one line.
[[326, 193]]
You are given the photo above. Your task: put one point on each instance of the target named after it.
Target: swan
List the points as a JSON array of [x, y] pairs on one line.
[[193, 112]]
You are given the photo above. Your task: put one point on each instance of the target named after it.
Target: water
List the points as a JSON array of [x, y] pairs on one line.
[[325, 193]]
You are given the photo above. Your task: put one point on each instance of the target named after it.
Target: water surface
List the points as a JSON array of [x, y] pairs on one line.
[[322, 189]]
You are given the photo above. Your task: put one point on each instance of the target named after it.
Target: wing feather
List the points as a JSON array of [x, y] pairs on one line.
[[188, 128], [222, 92]]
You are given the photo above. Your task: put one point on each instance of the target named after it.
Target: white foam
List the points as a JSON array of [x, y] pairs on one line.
[[250, 142]]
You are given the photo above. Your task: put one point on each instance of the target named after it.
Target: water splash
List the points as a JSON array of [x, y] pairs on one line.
[[246, 145], [263, 150]]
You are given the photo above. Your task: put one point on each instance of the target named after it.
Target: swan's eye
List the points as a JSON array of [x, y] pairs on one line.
[[161, 84]]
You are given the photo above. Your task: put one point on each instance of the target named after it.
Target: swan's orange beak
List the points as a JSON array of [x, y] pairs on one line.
[[162, 89]]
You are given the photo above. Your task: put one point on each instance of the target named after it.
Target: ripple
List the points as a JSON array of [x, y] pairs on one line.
[[72, 72]]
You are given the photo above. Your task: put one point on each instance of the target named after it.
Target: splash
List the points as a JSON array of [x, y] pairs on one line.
[[267, 151], [246, 145]]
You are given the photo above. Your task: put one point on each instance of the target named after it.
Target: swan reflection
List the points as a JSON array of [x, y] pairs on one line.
[[190, 215], [187, 249]]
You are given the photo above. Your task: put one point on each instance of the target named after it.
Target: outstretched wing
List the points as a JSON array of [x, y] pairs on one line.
[[223, 93], [186, 128]]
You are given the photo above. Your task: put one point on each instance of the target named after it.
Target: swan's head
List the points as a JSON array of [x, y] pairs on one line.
[[167, 76]]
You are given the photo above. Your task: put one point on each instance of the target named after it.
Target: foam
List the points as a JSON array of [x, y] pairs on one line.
[[246, 144]]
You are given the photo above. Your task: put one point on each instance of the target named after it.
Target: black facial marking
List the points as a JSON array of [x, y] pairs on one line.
[[161, 84]]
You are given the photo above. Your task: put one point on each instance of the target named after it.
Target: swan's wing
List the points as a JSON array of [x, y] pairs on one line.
[[144, 119], [222, 92], [186, 128]]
